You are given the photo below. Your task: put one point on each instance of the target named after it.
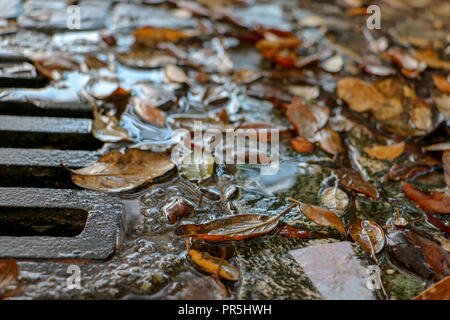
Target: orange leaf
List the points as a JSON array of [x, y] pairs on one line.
[[211, 265], [368, 235], [323, 217], [359, 95], [438, 291], [386, 152], [429, 201], [302, 145], [441, 83], [9, 272], [353, 181]]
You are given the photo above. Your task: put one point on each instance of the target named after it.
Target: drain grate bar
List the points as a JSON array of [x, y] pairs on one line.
[[45, 124]]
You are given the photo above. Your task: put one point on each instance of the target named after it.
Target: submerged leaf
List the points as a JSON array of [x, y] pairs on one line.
[[403, 172], [198, 166], [334, 198], [428, 200], [176, 209], [9, 273], [293, 233], [389, 152], [368, 235], [211, 265], [116, 171]]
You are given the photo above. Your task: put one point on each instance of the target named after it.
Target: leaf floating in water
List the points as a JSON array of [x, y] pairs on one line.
[[198, 166], [9, 283], [211, 265], [428, 200], [177, 208], [106, 127], [359, 95], [149, 113], [116, 171], [368, 235], [418, 254], [438, 291], [351, 179], [389, 152], [231, 228], [329, 141]]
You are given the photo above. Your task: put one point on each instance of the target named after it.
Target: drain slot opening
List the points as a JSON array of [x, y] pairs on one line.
[[34, 222]]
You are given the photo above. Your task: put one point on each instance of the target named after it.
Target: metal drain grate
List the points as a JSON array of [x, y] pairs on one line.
[[43, 215]]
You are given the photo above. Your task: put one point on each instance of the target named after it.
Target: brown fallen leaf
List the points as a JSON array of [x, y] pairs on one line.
[[279, 46], [376, 69], [302, 145], [106, 127], [321, 216], [117, 171], [402, 57], [420, 114], [329, 141], [359, 95], [403, 172], [148, 113], [9, 283], [293, 233], [175, 74], [368, 235], [232, 228], [438, 291], [93, 62], [50, 65], [431, 58], [211, 265], [418, 254], [150, 36], [446, 166], [177, 209], [306, 119], [389, 152], [441, 83], [245, 76], [351, 179], [428, 200]]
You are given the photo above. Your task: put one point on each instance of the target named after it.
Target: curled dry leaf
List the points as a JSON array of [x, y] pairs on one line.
[[148, 113], [368, 235], [293, 233], [441, 83], [211, 265], [389, 152], [177, 209], [302, 145], [175, 74], [420, 114], [418, 254], [9, 283], [329, 141], [438, 291], [231, 228], [245, 76], [428, 200], [321, 216], [116, 171], [352, 180], [306, 119], [359, 95]]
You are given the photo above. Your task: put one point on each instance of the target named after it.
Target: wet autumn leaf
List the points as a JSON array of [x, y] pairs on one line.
[[293, 233], [117, 171], [376, 69], [306, 119], [402, 172], [106, 127], [49, 65], [352, 180], [428, 200], [431, 58], [302, 145], [245, 76], [359, 95], [148, 113], [438, 291], [150, 36], [175, 74], [418, 254], [177, 209], [197, 166], [405, 60], [321, 216], [231, 228], [441, 83], [334, 198], [446, 166], [9, 283], [420, 114], [211, 264], [368, 235], [329, 141], [279, 46], [388, 152]]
